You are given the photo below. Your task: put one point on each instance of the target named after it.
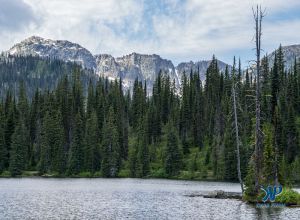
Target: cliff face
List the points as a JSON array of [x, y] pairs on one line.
[[132, 66]]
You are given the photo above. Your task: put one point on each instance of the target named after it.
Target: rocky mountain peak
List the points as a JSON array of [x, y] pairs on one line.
[[59, 49], [34, 39]]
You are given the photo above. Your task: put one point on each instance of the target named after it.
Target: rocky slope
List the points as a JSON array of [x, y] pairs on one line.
[[132, 66]]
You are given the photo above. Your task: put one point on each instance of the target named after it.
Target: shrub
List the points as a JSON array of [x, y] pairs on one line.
[[124, 173], [159, 173], [288, 196], [85, 174]]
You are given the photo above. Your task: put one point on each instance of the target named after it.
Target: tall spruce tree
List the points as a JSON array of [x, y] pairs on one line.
[[143, 157], [3, 153], [110, 147], [269, 162], [173, 154], [92, 157], [53, 155], [18, 153], [75, 161], [10, 113]]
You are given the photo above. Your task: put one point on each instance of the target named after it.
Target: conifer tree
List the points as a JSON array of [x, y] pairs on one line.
[[18, 153], [57, 143], [44, 165], [143, 158], [34, 117], [269, 162], [92, 158], [110, 147], [64, 99], [91, 102], [133, 151], [75, 161], [23, 115], [173, 154], [53, 156], [3, 153], [275, 85], [229, 155], [292, 147], [10, 123]]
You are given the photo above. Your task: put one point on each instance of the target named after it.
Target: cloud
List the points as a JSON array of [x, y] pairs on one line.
[[223, 28], [179, 30], [15, 15]]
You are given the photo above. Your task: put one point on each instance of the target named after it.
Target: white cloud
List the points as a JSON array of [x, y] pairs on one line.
[[182, 30], [14, 15], [221, 26]]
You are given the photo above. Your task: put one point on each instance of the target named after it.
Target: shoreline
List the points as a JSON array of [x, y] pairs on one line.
[[100, 177], [54, 176]]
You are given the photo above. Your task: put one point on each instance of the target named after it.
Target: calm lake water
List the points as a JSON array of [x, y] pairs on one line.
[[37, 198]]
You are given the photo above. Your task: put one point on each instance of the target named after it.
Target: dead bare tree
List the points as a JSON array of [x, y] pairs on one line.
[[258, 15], [237, 138]]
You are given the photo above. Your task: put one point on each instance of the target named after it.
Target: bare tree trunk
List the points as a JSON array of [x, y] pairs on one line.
[[258, 16], [237, 139], [276, 149], [276, 166]]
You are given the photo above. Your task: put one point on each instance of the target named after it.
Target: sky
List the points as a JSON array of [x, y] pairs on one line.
[[178, 30]]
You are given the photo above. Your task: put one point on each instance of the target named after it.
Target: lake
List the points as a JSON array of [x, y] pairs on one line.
[[40, 198]]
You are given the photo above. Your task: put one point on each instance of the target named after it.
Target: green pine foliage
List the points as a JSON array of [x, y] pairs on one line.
[[3, 153], [173, 154], [75, 162], [52, 156], [19, 149], [92, 153], [110, 147], [269, 171]]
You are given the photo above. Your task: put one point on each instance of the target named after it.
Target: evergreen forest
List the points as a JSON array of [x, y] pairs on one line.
[[60, 120]]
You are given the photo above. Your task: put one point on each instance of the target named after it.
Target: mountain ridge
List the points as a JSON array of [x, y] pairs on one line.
[[128, 67]]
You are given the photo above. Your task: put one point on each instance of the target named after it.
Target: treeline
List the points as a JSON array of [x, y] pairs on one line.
[[186, 134]]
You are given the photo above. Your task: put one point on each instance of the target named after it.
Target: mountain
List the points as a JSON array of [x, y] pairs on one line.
[[147, 67], [132, 66], [128, 67], [289, 53], [59, 49]]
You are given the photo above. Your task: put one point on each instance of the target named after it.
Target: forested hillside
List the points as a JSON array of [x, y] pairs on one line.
[[110, 133], [36, 72]]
